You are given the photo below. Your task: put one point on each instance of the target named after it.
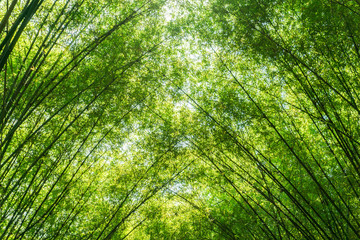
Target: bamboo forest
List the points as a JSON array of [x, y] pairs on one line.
[[179, 119]]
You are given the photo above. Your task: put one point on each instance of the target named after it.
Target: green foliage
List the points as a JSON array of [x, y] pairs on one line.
[[159, 119]]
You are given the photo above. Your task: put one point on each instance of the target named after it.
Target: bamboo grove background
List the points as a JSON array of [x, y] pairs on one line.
[[162, 119]]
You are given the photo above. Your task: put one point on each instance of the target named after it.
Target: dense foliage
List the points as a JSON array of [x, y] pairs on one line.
[[160, 119]]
